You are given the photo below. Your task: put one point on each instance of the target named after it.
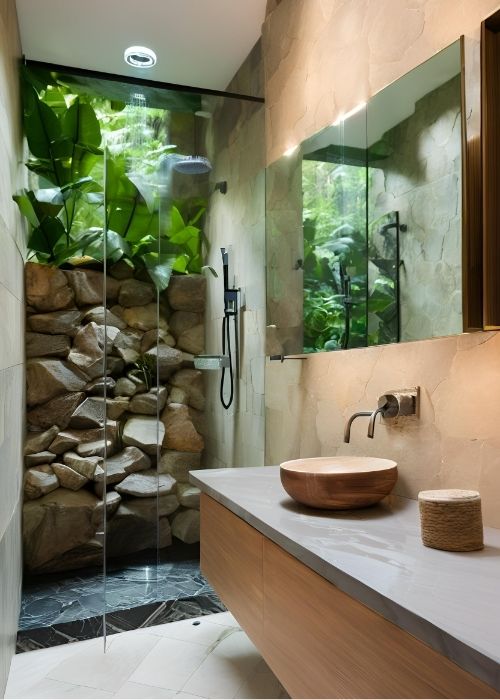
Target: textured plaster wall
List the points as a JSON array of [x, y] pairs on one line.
[[235, 145], [12, 245], [321, 58]]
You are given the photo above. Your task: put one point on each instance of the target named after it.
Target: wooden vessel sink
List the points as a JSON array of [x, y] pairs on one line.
[[338, 483]]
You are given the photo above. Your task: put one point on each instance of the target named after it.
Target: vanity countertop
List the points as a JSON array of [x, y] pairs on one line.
[[449, 600]]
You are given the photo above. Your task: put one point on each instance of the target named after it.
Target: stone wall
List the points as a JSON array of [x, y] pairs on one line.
[[113, 403], [13, 246], [236, 221]]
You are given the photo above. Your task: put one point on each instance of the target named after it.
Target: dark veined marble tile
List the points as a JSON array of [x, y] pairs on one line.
[[149, 615]]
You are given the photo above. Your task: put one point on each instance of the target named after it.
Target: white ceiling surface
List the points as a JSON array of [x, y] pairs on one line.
[[201, 43]]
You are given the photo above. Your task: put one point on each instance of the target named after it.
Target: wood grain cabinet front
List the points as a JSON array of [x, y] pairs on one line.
[[320, 642]]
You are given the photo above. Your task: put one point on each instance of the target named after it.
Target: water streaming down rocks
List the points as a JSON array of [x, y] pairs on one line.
[[148, 500]]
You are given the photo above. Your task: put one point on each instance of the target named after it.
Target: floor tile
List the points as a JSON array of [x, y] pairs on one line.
[[138, 690], [107, 671], [225, 670], [169, 664], [198, 631], [225, 619], [48, 688]]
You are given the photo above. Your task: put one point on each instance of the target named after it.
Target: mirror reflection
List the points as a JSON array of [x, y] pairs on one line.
[[364, 221]]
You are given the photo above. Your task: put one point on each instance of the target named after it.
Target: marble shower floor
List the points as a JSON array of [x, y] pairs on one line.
[[139, 592]]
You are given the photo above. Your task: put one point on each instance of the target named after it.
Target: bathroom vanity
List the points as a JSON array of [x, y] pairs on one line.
[[350, 604]]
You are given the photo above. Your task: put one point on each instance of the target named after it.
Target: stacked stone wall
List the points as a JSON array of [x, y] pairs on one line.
[[114, 380]]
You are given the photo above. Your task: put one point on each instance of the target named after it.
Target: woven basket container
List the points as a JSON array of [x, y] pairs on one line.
[[451, 520]]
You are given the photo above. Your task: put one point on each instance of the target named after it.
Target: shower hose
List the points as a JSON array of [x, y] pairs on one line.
[[226, 343]]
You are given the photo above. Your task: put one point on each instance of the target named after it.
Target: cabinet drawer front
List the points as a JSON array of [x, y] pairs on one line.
[[231, 560], [323, 644]]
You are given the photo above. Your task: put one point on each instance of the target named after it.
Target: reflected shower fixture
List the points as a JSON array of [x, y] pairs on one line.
[[193, 165], [139, 57]]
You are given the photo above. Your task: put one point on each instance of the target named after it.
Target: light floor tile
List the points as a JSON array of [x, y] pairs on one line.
[[225, 619], [107, 671], [205, 632], [30, 668], [214, 659], [170, 663], [138, 690], [229, 665]]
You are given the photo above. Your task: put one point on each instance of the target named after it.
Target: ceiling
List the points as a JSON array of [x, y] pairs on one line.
[[200, 43]]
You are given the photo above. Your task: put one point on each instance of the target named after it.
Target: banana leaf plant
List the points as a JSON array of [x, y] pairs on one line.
[[67, 162]]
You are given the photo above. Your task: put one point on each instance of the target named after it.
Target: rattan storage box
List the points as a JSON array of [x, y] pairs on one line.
[[451, 519]]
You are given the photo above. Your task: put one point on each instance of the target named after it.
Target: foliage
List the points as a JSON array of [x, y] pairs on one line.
[[344, 304], [75, 187], [146, 369]]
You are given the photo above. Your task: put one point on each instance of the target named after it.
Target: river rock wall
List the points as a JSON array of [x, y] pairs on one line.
[[79, 371]]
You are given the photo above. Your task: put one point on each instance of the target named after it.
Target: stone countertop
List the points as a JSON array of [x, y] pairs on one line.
[[449, 600]]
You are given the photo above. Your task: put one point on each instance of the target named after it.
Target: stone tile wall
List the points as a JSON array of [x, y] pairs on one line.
[[12, 246], [236, 220], [321, 58]]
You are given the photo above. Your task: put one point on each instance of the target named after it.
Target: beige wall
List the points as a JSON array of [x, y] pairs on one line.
[[321, 58], [12, 244], [235, 145]]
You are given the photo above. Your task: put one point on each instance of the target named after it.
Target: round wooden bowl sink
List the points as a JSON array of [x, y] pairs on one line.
[[339, 483]]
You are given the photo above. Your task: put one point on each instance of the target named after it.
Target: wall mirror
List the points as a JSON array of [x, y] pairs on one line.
[[364, 221]]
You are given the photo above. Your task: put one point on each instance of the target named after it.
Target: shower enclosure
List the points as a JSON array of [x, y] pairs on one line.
[[116, 293]]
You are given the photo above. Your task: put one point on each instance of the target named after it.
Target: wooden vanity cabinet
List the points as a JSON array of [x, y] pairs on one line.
[[319, 642]]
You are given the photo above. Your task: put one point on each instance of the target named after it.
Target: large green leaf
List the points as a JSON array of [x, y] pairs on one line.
[[81, 125], [26, 208], [41, 127], [43, 238], [159, 267]]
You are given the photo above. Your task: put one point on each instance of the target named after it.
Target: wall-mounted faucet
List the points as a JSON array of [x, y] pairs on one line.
[[403, 402]]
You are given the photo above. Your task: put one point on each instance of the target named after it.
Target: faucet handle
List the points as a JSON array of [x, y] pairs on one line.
[[400, 402]]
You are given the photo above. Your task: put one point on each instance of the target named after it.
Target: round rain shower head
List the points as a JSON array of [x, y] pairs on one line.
[[193, 165]]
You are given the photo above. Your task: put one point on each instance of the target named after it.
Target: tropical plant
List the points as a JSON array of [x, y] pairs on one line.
[[74, 190]]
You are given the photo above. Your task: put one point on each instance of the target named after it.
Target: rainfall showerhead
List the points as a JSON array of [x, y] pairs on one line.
[[192, 165]]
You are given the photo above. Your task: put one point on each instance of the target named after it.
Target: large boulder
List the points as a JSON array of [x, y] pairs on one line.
[[187, 292], [75, 439], [182, 321], [58, 410], [143, 318], [88, 347], [56, 322], [156, 337], [86, 466], [88, 554], [191, 382], [96, 386], [113, 500], [180, 432], [146, 484], [193, 340], [129, 531], [88, 286], [44, 345], [149, 403], [125, 387], [38, 442], [155, 507], [121, 270], [144, 432], [47, 288], [47, 379], [189, 496], [68, 477], [89, 414], [136, 293], [56, 523], [39, 481], [179, 464], [127, 345], [103, 316], [128, 461], [186, 526], [44, 457], [168, 360]]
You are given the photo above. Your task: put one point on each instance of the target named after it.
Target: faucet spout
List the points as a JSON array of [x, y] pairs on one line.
[[373, 416], [347, 431]]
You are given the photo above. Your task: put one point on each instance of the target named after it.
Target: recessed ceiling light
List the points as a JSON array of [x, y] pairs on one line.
[[139, 57]]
